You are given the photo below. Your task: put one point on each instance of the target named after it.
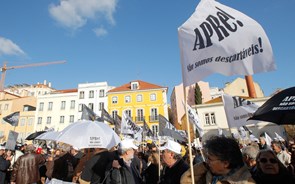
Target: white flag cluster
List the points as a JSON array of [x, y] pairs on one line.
[[194, 119], [238, 110], [129, 127], [219, 39]]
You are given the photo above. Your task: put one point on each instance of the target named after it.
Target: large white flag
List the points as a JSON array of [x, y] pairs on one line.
[[238, 110], [129, 127], [219, 39]]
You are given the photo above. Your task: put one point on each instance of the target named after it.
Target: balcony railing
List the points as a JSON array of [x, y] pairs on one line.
[[139, 118], [154, 118]]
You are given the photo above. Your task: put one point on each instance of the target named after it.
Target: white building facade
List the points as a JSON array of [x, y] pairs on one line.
[[94, 96], [212, 117], [56, 110]]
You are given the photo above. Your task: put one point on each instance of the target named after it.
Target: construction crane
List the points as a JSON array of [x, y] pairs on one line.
[[5, 67]]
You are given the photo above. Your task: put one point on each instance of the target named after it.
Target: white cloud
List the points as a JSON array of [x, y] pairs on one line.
[[100, 31], [74, 14], [7, 47]]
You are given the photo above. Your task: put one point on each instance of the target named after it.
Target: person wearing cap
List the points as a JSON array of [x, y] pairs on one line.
[[174, 166], [122, 172], [26, 168], [4, 164]]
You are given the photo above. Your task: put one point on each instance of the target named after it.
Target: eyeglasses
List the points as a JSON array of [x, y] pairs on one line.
[[271, 160]]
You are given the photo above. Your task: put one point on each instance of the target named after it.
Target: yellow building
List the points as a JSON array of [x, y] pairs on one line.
[[10, 103], [141, 101]]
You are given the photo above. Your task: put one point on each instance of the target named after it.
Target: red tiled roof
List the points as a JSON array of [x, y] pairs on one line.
[[67, 91], [141, 86], [219, 99]]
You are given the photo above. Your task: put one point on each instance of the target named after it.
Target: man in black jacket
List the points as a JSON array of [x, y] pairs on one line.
[[174, 164], [4, 165]]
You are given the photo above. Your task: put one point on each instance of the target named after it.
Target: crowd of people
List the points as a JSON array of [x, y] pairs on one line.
[[220, 160]]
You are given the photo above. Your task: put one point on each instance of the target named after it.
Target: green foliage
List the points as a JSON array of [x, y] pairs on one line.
[[198, 94]]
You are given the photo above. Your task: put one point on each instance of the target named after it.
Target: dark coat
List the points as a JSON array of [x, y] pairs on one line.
[[26, 168], [172, 175], [4, 165], [151, 174], [97, 166], [282, 177], [63, 168], [123, 175]]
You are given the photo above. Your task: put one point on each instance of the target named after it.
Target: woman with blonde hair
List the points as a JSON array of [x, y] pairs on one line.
[[271, 170]]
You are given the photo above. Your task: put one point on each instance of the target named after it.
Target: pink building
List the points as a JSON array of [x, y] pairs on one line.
[[177, 99]]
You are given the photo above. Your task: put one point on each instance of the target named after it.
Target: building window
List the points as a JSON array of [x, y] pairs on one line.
[[243, 90], [48, 120], [134, 85], [61, 119], [101, 106], [139, 115], [114, 99], [72, 104], [50, 104], [114, 114], [210, 119], [41, 106], [155, 129], [153, 97], [30, 121], [154, 114], [22, 122], [91, 94], [101, 93], [39, 120], [71, 118], [128, 112], [139, 98], [127, 99], [81, 96], [80, 108], [90, 106], [63, 105], [6, 107]]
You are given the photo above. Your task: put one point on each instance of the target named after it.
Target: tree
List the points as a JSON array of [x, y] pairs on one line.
[[198, 94]]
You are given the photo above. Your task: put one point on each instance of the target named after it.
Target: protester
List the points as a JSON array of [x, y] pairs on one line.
[[64, 165], [282, 155], [198, 156], [224, 164], [175, 166], [262, 142], [271, 170], [95, 168], [26, 168], [249, 156], [4, 164], [122, 173], [291, 166], [151, 173]]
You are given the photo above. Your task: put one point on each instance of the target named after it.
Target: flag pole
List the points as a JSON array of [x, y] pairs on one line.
[[189, 137], [250, 86]]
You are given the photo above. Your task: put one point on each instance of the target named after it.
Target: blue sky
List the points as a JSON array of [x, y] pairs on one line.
[[119, 41]]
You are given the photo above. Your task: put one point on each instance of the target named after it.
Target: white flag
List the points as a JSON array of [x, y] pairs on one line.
[[280, 138], [194, 119], [238, 110], [243, 133], [219, 39], [129, 127], [268, 139]]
